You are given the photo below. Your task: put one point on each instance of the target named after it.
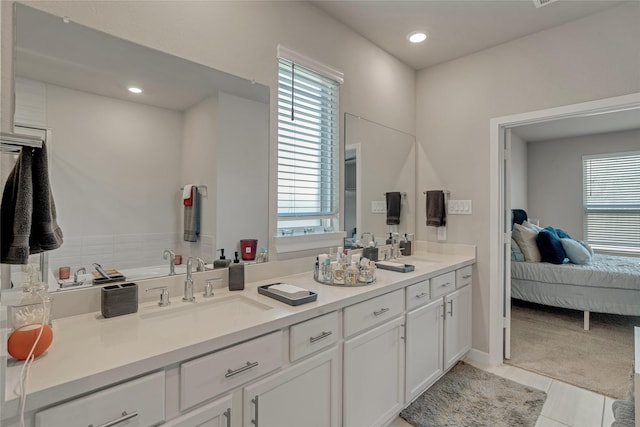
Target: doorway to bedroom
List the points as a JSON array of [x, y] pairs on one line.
[[541, 173]]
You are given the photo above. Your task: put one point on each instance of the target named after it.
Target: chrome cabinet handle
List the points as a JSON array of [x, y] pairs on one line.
[[227, 414], [451, 305], [466, 276], [319, 337], [422, 295], [119, 420], [254, 421], [231, 372], [381, 311], [444, 285]]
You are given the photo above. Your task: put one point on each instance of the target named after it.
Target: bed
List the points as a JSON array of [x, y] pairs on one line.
[[609, 284]]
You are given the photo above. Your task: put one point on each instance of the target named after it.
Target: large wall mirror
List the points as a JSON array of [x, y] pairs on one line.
[[378, 159], [118, 161]]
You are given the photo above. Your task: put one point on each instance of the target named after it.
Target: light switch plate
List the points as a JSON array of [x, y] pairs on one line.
[[379, 207], [459, 207]]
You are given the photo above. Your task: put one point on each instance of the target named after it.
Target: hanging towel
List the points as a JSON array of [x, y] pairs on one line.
[[394, 202], [187, 198], [46, 235], [192, 217], [436, 212], [28, 213]]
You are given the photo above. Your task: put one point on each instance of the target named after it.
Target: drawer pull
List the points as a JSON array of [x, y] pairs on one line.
[[119, 420], [319, 337], [466, 276], [444, 285], [246, 367], [422, 295], [381, 311], [227, 414], [254, 421], [451, 305]]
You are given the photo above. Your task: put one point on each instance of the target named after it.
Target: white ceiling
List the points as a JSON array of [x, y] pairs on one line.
[[456, 27]]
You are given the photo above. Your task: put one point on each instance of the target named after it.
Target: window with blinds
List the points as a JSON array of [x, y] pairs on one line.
[[611, 199], [308, 171]]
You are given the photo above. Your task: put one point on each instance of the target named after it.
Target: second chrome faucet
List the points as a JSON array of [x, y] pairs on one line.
[[188, 284]]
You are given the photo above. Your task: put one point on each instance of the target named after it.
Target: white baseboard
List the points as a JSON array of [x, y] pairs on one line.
[[479, 357]]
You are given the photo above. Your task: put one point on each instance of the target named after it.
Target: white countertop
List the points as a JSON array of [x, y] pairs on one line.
[[90, 352]]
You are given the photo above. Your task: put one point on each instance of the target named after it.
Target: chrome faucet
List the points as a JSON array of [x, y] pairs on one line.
[[172, 261], [75, 275], [188, 284]]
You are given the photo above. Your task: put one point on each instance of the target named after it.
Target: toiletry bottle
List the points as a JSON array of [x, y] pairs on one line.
[[236, 275], [352, 273], [222, 262]]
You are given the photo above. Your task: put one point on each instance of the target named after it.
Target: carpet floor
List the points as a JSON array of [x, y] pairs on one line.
[[470, 397], [551, 341]]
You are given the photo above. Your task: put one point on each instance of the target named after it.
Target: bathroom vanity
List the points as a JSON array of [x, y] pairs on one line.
[[355, 357]]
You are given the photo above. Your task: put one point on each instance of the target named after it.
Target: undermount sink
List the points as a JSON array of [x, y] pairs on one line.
[[227, 307]]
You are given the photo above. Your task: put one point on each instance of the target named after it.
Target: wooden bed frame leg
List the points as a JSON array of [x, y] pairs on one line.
[[586, 320]]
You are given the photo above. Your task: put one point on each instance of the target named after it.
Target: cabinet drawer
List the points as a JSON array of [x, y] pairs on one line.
[[463, 276], [417, 294], [366, 314], [208, 376], [443, 284], [313, 335], [141, 401]]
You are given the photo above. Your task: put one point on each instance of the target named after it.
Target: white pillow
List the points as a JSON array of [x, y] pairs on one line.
[[526, 238], [532, 226]]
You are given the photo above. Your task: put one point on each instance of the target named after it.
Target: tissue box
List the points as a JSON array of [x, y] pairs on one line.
[[118, 300]]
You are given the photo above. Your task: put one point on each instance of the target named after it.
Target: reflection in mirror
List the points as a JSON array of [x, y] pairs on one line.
[[119, 160], [378, 159]]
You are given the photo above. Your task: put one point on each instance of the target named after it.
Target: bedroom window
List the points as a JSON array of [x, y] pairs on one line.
[[611, 200], [308, 143]]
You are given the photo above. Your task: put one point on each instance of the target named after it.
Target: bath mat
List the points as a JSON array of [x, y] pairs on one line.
[[470, 397]]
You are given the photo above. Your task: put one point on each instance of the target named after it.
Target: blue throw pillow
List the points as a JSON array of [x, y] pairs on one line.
[[576, 252], [562, 234], [550, 246]]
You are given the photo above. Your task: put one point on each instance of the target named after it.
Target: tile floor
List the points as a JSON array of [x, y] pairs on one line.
[[566, 405]]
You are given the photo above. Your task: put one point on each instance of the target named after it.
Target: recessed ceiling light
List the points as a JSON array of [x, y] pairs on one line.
[[417, 36], [134, 89]]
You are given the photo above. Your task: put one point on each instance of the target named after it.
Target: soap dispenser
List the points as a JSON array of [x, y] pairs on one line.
[[222, 262], [390, 239], [236, 275]]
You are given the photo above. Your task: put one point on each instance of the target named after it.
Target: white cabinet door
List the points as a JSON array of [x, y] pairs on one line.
[[457, 325], [374, 375], [306, 394], [424, 348], [214, 414]]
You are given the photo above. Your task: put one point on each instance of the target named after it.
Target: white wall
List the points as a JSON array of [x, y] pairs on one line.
[[593, 58], [241, 38], [555, 176], [114, 175]]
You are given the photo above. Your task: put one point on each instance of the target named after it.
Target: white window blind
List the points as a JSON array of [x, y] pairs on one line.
[[611, 199], [307, 149]]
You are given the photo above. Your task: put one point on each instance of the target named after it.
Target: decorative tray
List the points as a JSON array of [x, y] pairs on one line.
[[395, 266], [264, 290]]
